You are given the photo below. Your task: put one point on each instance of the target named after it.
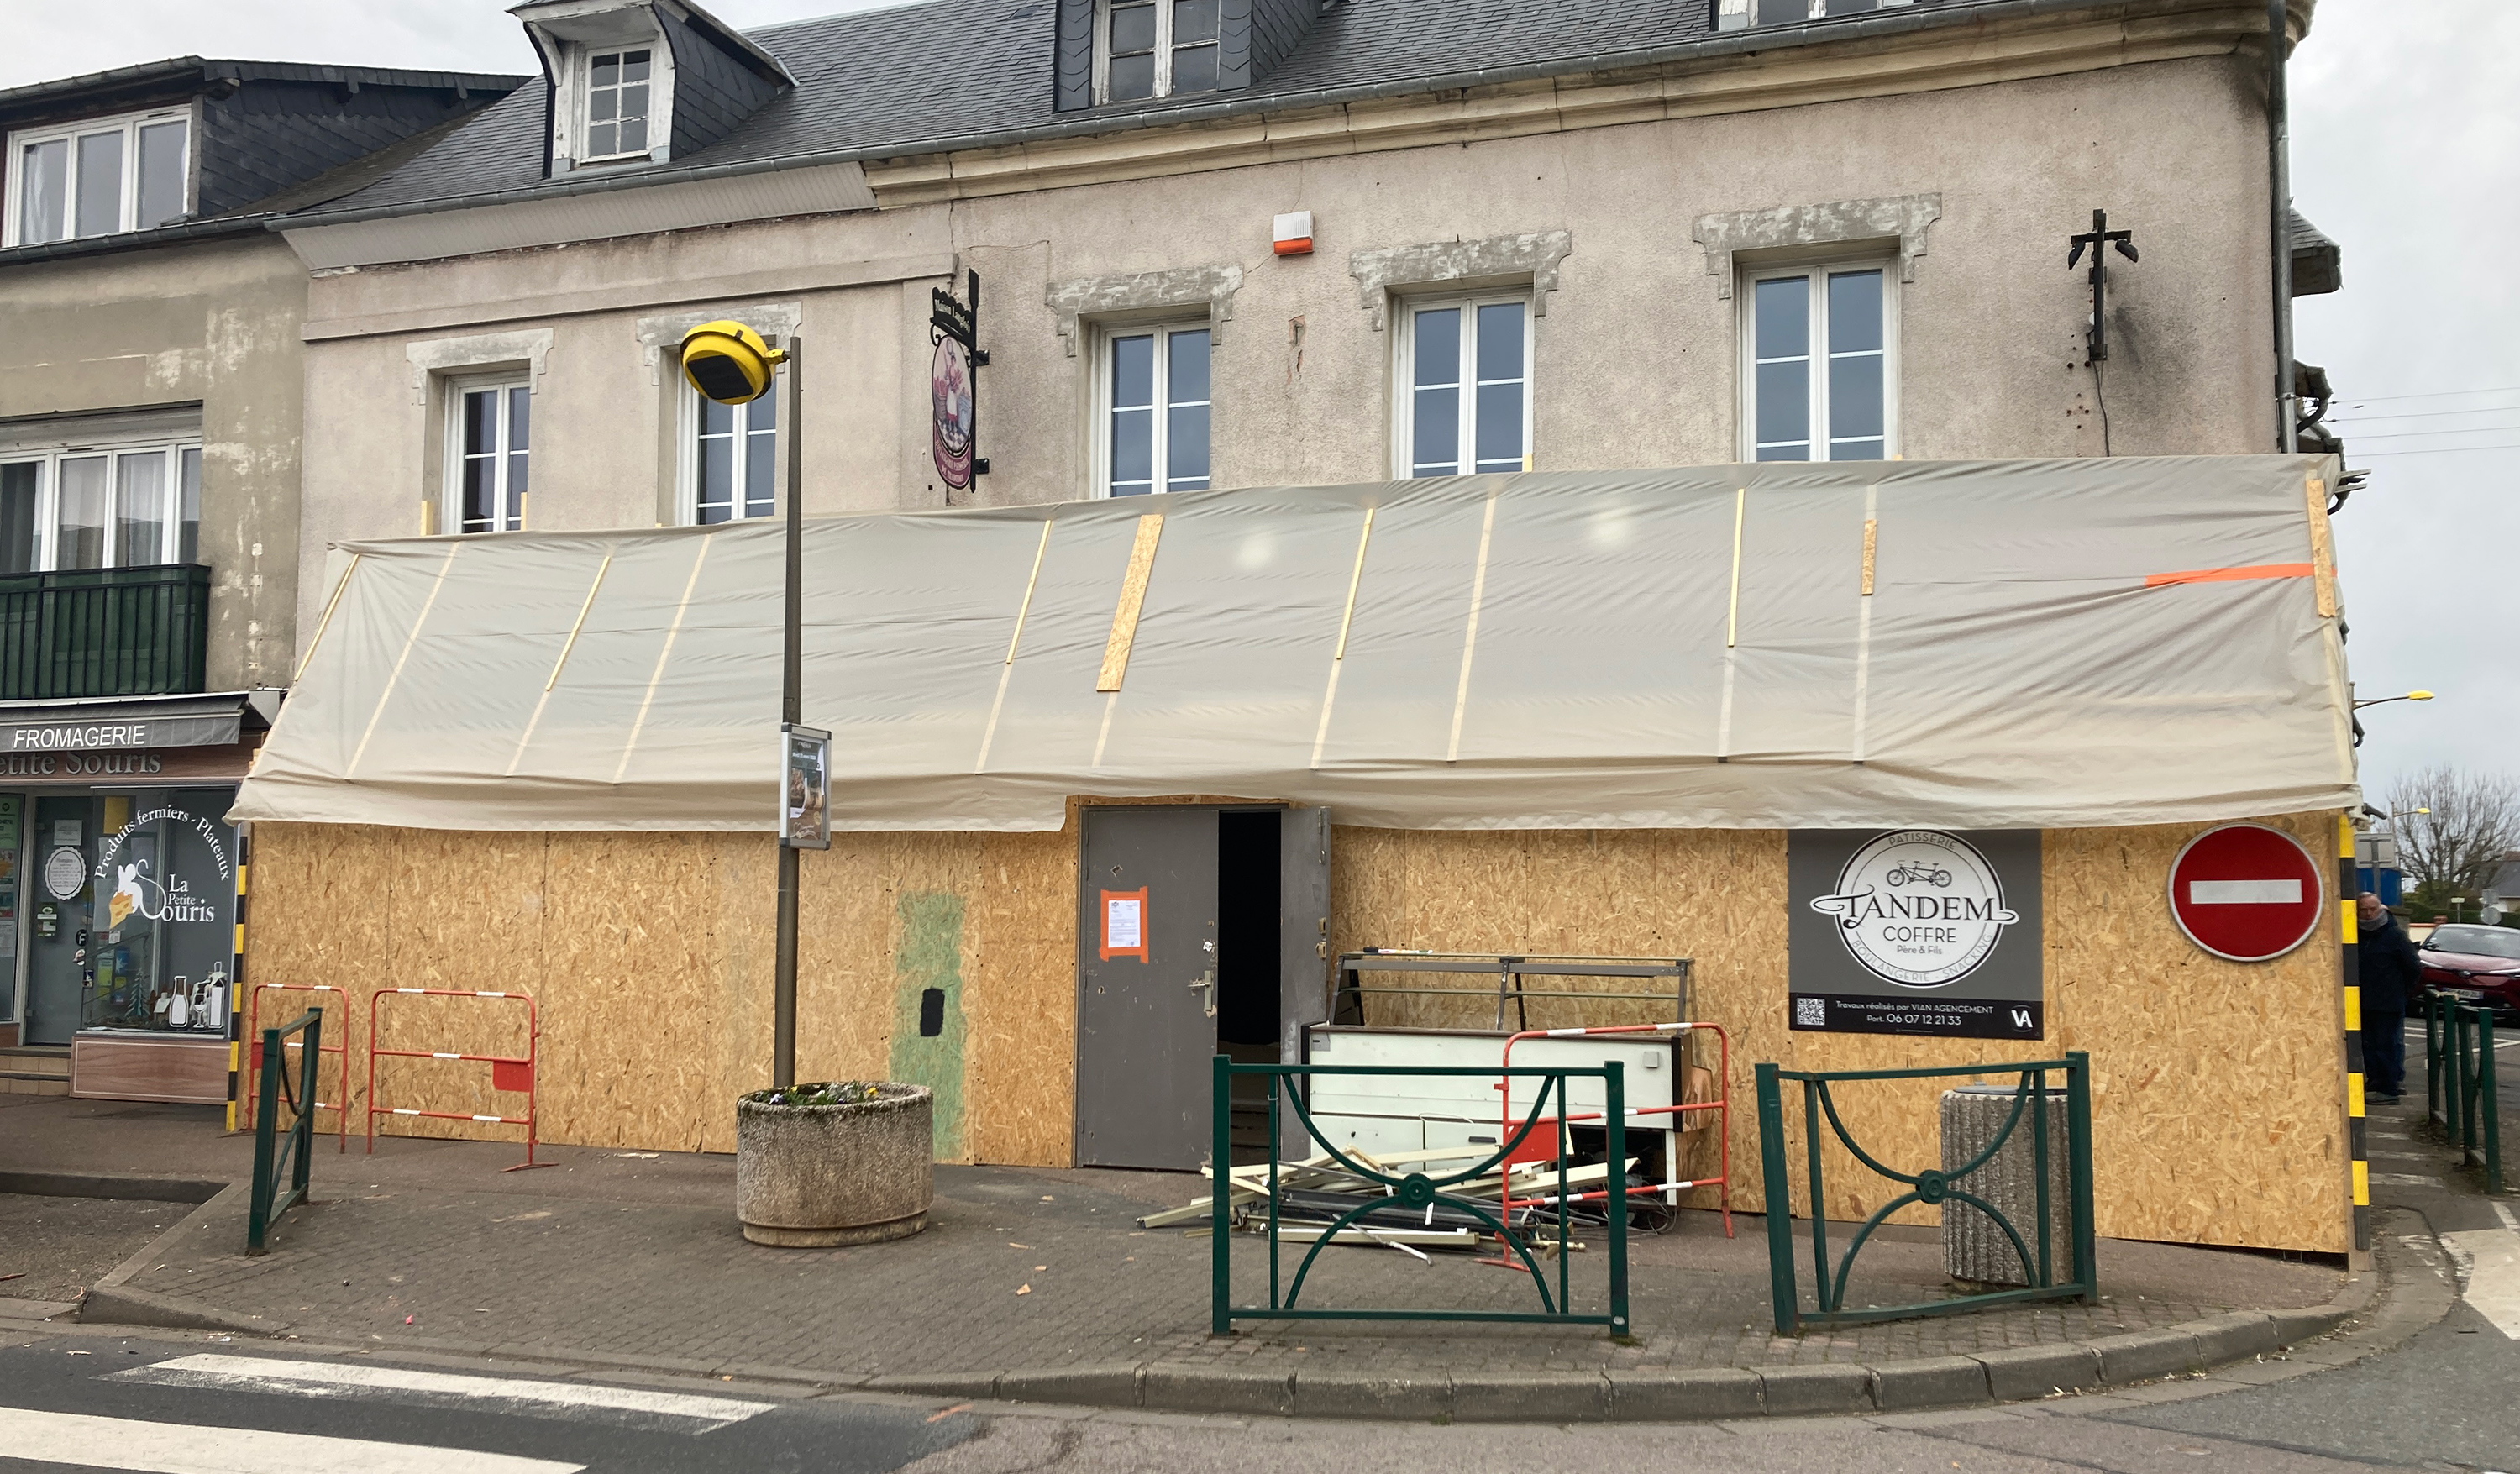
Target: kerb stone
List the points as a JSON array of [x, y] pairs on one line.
[[1929, 1382], [2021, 1373], [1681, 1397]]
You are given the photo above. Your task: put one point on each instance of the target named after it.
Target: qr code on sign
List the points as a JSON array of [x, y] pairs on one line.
[[1811, 1012]]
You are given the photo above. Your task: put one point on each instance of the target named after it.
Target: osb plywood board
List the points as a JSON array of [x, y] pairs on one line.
[[985, 921], [623, 940], [649, 958], [2216, 1094]]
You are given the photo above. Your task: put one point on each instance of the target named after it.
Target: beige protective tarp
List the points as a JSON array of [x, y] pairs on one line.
[[1690, 647]]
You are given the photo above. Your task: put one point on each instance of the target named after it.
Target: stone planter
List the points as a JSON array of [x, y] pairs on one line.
[[858, 1172]]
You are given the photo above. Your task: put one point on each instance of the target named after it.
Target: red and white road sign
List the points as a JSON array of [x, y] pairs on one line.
[[2247, 892]]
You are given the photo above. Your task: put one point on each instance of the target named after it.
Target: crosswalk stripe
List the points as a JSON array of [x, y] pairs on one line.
[[339, 1380], [119, 1442], [2493, 1265]]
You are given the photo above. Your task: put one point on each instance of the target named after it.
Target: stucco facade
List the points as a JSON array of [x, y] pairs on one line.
[[1637, 348], [211, 323]]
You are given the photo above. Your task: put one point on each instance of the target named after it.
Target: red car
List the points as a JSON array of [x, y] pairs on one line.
[[2477, 965]]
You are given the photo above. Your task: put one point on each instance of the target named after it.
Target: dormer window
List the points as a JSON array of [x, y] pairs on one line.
[[1741, 14], [616, 104], [617, 67], [99, 177], [1157, 48]]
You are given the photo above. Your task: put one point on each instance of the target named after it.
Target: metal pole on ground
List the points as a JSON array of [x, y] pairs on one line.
[[791, 703], [727, 363]]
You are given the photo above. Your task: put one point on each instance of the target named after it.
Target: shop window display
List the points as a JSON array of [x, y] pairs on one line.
[[134, 904]]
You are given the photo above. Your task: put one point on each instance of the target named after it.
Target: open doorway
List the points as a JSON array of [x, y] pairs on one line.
[[1201, 931], [1248, 974]]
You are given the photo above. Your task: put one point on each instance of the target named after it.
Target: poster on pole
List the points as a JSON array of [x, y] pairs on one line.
[[1916, 931], [805, 799]]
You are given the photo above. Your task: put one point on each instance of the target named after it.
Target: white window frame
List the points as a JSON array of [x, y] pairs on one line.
[[512, 506], [129, 125], [48, 491], [1163, 49], [1818, 269], [1162, 329], [687, 474], [1404, 372], [570, 121]]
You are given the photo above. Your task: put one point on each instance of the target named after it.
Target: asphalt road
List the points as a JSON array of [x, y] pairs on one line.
[[197, 1406], [190, 1404], [2427, 1385]]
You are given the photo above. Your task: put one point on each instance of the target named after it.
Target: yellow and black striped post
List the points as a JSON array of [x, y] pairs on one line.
[[2350, 969], [236, 977]]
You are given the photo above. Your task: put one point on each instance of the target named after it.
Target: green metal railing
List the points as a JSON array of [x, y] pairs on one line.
[[2459, 1092], [1290, 1091], [104, 632], [276, 1151], [1932, 1186]]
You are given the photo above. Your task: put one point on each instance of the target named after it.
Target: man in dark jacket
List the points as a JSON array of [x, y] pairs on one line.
[[2390, 975]]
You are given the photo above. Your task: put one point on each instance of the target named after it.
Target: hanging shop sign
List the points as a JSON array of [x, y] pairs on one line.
[[1915, 931], [2246, 892], [954, 326], [806, 807]]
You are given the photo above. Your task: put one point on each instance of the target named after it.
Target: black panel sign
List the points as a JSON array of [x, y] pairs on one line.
[[1915, 931]]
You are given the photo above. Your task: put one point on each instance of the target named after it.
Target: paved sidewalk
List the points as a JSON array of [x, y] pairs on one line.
[[1037, 1284]]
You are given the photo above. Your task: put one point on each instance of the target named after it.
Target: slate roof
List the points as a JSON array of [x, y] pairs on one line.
[[905, 80], [177, 69], [258, 150]]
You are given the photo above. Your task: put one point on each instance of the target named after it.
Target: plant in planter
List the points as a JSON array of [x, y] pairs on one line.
[[844, 1162]]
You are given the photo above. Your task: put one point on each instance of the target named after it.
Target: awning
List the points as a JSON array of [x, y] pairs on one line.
[[128, 724], [2041, 643]]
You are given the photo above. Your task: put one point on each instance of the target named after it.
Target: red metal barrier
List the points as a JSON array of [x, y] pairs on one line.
[[253, 1047], [506, 1073], [1720, 1106]]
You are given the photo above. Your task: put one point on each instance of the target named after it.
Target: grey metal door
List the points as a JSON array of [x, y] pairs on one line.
[[1303, 948], [1146, 1008], [1303, 927], [59, 944]]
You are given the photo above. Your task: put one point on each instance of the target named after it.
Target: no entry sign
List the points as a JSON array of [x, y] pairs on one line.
[[2246, 892]]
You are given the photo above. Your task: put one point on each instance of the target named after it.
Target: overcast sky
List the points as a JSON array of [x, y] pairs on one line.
[[2406, 149]]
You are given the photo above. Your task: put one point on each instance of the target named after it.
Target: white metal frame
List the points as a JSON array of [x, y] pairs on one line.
[[1162, 330], [570, 120], [113, 451], [1403, 317], [1163, 49], [1745, 330], [511, 504], [128, 125], [687, 455]]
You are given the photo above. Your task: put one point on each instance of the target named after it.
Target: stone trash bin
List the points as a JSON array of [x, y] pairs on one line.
[[850, 1162], [1976, 1252]]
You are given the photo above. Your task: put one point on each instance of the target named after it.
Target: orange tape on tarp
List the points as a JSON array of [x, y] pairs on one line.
[[2229, 575]]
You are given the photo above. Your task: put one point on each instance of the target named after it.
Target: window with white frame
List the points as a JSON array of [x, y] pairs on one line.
[[489, 436], [1155, 48], [113, 506], [98, 178], [1462, 385], [1819, 370], [1153, 408], [729, 458], [618, 91], [1739, 15]]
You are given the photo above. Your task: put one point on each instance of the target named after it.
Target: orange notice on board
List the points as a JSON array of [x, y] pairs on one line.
[[1124, 924]]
